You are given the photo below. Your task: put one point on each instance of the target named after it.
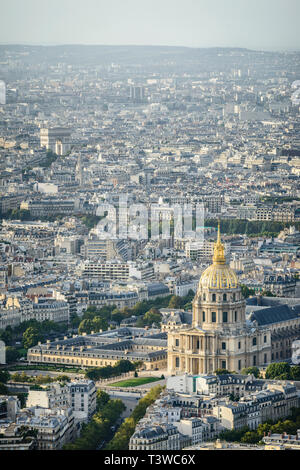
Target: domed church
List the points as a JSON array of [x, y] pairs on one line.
[[220, 337]]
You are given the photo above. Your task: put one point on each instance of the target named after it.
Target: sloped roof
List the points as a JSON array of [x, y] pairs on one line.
[[276, 314]]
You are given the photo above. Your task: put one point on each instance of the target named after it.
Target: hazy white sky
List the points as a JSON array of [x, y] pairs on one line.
[[257, 24]]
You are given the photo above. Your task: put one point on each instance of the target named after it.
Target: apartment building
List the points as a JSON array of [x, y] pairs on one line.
[[78, 395]]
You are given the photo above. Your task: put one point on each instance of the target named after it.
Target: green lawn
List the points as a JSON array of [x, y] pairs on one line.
[[135, 381]]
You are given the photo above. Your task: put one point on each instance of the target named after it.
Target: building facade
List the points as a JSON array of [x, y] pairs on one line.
[[220, 337]]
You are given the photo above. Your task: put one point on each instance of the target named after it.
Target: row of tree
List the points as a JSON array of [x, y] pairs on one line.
[[250, 227], [39, 379], [147, 312], [121, 367], [101, 426], [120, 441]]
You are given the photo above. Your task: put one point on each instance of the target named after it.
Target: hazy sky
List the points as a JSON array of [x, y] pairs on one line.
[[256, 24]]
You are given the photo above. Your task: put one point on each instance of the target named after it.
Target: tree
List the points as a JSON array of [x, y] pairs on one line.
[[246, 291], [102, 398], [251, 370], [12, 354], [117, 315], [6, 335], [3, 389], [31, 337], [121, 439], [175, 302], [99, 428], [123, 366], [153, 316], [62, 378], [221, 372], [295, 372], [275, 370], [251, 437], [4, 376]]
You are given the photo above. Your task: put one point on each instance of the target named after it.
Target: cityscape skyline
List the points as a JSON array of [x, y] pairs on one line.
[[149, 227]]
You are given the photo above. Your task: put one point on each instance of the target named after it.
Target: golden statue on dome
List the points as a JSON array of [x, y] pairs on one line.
[[219, 250]]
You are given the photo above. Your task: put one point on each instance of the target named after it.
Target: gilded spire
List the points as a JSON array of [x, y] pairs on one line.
[[219, 251]]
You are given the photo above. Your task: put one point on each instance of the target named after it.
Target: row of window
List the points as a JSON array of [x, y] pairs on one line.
[[223, 363], [225, 298], [214, 317]]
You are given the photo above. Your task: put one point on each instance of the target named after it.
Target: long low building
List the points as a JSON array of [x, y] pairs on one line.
[[283, 321], [103, 349]]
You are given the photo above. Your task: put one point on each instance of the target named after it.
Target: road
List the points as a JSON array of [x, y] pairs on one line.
[[129, 399]]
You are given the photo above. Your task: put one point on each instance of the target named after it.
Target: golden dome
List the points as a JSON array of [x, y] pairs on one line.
[[219, 275]]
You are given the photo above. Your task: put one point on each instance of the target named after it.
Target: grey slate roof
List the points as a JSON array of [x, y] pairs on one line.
[[276, 314]]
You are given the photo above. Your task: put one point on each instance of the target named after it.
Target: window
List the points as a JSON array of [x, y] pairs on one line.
[[177, 362], [254, 342], [265, 339], [235, 315], [224, 297], [223, 364], [203, 316], [254, 360], [223, 346], [225, 317], [265, 358], [239, 345], [214, 297], [176, 342], [239, 365], [233, 297], [213, 317]]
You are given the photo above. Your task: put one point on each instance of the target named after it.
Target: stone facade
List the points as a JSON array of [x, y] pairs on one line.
[[220, 337]]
